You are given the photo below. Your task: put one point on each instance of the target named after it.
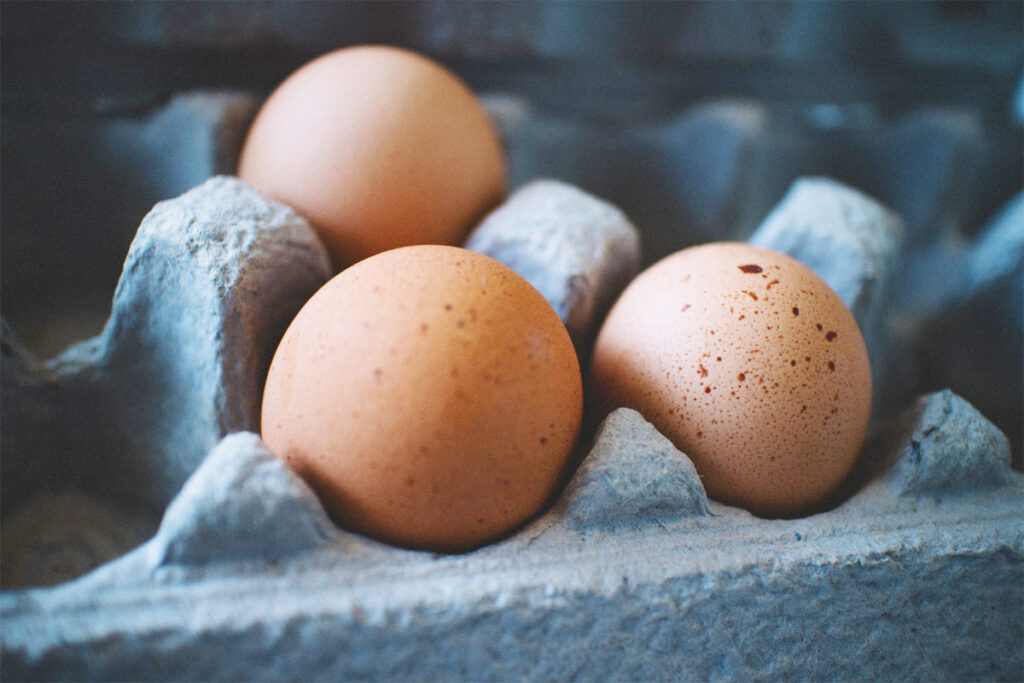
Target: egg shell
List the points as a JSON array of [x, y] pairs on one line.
[[378, 147], [750, 364], [429, 395]]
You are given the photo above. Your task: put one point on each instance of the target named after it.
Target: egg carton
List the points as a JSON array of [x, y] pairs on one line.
[[631, 573], [708, 171]]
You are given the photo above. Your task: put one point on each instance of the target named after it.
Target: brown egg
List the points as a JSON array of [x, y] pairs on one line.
[[378, 148], [429, 395], [750, 364]]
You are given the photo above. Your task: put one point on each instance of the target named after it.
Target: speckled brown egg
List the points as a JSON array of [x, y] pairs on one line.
[[750, 364], [429, 395], [378, 147]]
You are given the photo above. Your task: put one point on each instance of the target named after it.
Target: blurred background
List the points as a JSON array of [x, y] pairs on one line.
[[693, 117]]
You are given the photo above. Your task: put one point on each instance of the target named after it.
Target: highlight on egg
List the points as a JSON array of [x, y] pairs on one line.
[[429, 395], [750, 364], [378, 147]]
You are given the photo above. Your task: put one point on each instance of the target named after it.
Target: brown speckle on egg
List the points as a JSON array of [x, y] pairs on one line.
[[784, 434], [368, 408]]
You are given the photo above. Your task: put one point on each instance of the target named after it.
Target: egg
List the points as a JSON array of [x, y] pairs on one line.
[[378, 147], [750, 364], [429, 395]]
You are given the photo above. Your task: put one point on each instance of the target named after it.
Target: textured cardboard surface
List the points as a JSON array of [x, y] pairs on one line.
[[209, 285], [577, 250], [914, 572], [871, 589]]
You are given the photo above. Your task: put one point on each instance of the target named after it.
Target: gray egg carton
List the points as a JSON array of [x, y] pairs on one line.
[[174, 546]]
